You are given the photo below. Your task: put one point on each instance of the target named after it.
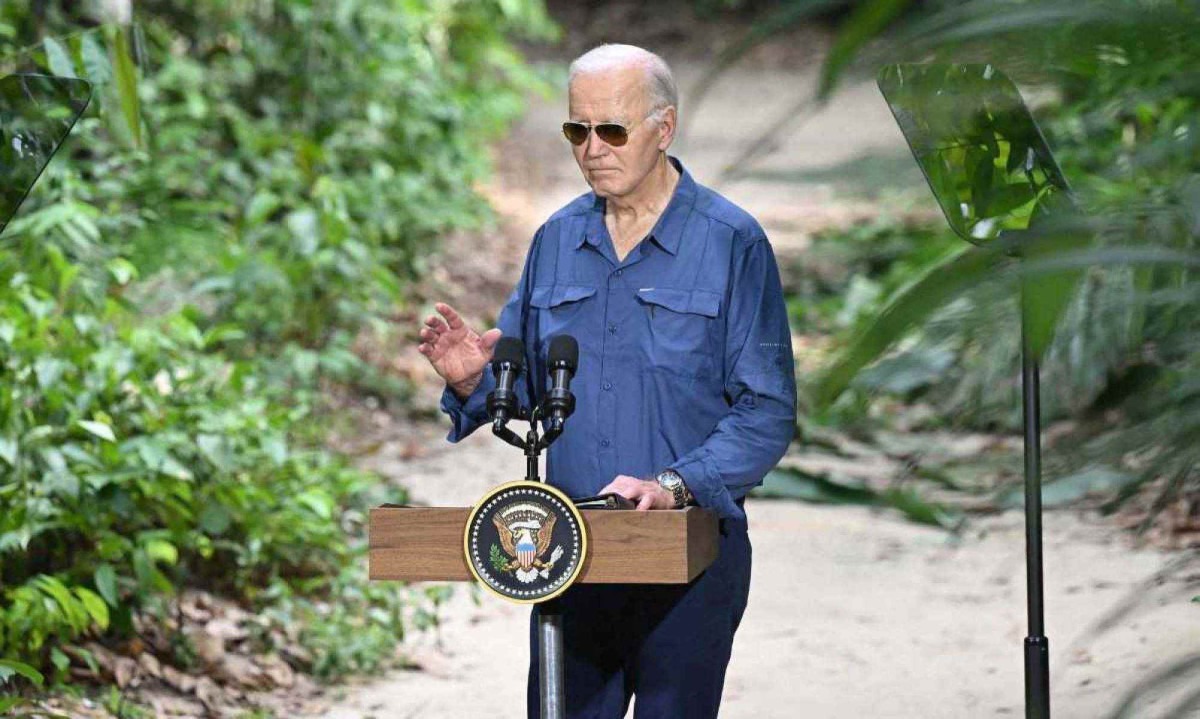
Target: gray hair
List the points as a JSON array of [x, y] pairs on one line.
[[660, 85]]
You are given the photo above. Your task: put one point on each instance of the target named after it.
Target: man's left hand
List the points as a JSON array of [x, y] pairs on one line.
[[648, 493]]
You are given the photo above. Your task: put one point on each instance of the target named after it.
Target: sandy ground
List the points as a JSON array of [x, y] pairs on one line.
[[852, 613]]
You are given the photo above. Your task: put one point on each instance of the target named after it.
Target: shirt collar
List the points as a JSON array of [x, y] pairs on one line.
[[667, 231]]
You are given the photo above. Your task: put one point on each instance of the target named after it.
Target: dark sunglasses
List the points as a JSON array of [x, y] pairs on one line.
[[613, 133]]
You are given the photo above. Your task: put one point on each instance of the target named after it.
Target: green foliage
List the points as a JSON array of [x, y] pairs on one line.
[[1121, 121], [866, 20], [848, 273], [192, 268], [10, 668], [1113, 90], [45, 604], [1109, 292], [351, 626], [1109, 300], [793, 483]]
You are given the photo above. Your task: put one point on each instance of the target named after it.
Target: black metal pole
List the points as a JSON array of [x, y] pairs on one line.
[[550, 660], [1037, 646], [550, 639]]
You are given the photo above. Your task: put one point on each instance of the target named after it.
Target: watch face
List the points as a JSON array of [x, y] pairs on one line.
[[673, 483]]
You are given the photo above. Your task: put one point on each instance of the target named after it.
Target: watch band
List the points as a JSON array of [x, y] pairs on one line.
[[673, 482]]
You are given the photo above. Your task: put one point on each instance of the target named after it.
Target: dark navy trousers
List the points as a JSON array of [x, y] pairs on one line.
[[668, 644]]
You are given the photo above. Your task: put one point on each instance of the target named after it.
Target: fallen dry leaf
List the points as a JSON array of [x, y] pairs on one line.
[[225, 629]]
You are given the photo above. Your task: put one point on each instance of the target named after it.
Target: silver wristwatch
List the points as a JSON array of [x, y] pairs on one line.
[[670, 480]]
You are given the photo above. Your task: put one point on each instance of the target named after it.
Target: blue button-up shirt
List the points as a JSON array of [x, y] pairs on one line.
[[685, 354]]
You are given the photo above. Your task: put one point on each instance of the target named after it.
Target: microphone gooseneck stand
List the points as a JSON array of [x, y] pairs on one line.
[[559, 403]]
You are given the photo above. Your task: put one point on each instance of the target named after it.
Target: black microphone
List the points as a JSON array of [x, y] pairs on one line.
[[507, 363], [563, 360]]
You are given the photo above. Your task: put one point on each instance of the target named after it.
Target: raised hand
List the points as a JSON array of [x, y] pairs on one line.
[[456, 351]]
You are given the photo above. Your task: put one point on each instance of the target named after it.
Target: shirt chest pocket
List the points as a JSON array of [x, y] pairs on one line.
[[560, 310], [682, 328]]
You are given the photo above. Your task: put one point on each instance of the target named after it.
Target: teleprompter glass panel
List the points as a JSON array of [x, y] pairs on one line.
[[977, 144], [37, 113]]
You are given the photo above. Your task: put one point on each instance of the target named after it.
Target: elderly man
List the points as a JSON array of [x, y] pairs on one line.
[[685, 389]]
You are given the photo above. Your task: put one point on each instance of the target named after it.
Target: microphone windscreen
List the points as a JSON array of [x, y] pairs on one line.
[[509, 349], [564, 349]]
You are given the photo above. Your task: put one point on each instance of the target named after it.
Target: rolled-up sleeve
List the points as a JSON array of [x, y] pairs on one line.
[[760, 381], [467, 415]]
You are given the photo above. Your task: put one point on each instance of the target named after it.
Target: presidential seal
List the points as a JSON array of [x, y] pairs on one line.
[[525, 541]]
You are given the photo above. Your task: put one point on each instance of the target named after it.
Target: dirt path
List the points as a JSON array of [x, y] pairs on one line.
[[852, 613]]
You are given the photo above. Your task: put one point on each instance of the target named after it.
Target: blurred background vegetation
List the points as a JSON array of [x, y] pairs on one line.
[[1116, 93], [258, 183], [254, 185]]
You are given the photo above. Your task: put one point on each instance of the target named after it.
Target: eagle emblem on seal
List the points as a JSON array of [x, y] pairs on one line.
[[525, 530]]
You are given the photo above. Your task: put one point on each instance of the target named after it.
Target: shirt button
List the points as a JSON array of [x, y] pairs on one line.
[[604, 443], [619, 272], [612, 329], [607, 385]]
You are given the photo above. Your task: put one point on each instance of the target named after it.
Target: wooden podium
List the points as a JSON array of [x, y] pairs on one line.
[[614, 546], [625, 547], [426, 543]]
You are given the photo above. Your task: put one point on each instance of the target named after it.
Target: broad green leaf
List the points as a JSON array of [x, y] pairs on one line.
[[58, 58], [101, 430], [95, 61], [865, 22], [95, 606], [125, 74], [159, 459], [275, 447], [260, 207], [1003, 200], [122, 270], [69, 606], [319, 502], [216, 450], [149, 578], [187, 332], [1071, 488], [8, 667], [17, 539], [223, 333], [911, 305], [215, 518], [8, 450], [49, 370], [106, 582], [920, 510], [1056, 256], [61, 661], [1045, 297], [906, 372], [162, 550], [792, 483]]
